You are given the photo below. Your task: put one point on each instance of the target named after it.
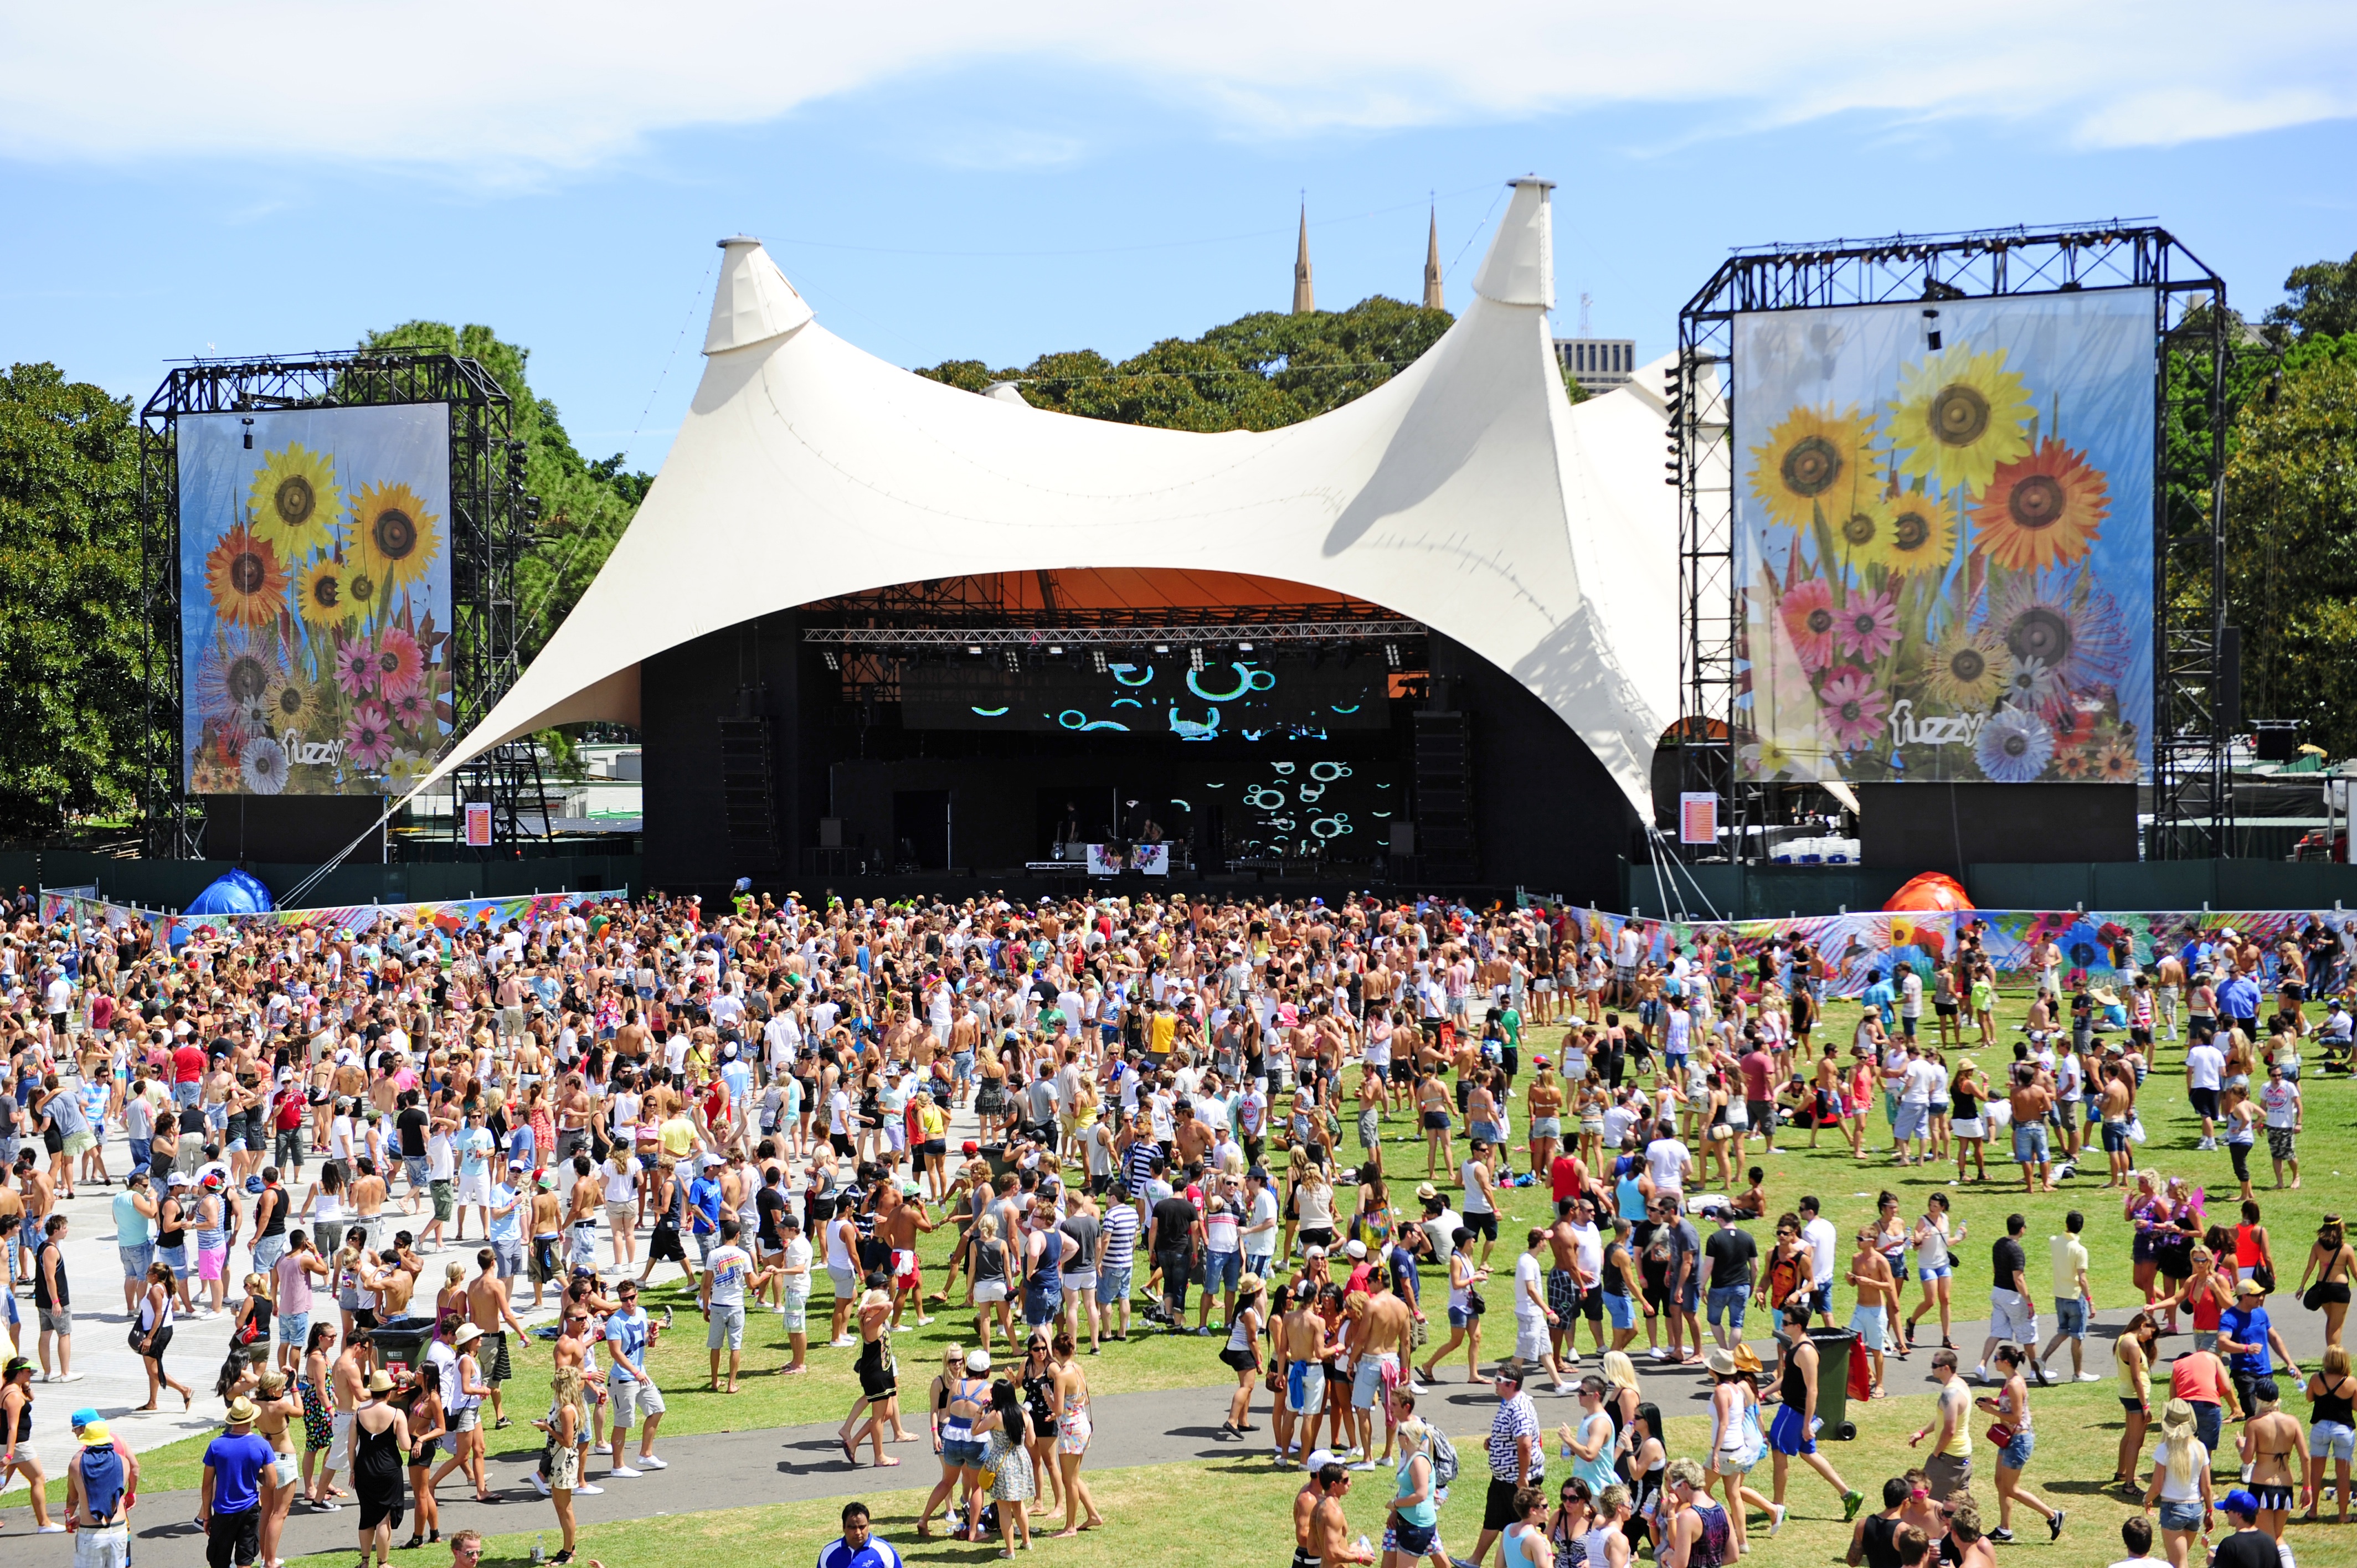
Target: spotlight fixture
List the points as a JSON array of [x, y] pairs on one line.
[[1161, 648], [1014, 660], [1244, 648], [1391, 655], [974, 650], [1097, 657], [1195, 659], [834, 660]]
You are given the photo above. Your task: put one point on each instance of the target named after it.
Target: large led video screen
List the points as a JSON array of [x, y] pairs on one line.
[[1243, 699], [315, 599], [1944, 540], [1293, 807]]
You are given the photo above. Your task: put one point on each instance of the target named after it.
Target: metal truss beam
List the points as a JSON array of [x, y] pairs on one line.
[[1035, 636]]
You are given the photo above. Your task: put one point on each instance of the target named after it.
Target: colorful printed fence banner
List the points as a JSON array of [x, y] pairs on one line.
[[85, 907], [2092, 942], [450, 915]]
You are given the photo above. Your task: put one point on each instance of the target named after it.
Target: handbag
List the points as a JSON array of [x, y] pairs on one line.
[[1474, 1305], [1999, 1435], [2314, 1298], [2264, 1275]]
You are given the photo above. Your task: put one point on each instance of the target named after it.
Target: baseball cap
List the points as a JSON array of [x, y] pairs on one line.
[[82, 1417], [1319, 1459], [2241, 1501], [1355, 1249]]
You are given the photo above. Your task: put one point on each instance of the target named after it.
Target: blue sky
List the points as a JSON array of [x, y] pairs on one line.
[[1043, 176]]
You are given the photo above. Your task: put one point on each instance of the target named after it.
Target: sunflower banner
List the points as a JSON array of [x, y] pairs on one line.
[[315, 599], [1945, 537]]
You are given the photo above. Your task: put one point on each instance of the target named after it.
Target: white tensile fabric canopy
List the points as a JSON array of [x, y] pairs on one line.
[[1465, 492]]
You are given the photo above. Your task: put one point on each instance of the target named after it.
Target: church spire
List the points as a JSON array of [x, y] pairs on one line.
[[1304, 299], [1432, 265]]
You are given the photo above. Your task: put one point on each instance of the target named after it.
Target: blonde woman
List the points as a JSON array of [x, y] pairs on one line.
[[275, 1405], [1412, 1528], [563, 1429], [2333, 1398], [1073, 1429], [1622, 1394], [2180, 1483]]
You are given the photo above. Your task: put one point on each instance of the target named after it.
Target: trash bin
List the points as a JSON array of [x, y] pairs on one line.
[[400, 1341], [1834, 1347]]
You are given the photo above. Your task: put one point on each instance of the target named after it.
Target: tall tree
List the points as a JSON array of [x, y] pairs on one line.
[[1261, 371], [585, 504], [2291, 541], [72, 696], [2321, 300]]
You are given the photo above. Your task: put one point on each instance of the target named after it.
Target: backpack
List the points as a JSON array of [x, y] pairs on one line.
[[1444, 1461]]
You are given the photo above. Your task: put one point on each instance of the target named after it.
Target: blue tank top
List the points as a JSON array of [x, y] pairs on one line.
[[1629, 1197]]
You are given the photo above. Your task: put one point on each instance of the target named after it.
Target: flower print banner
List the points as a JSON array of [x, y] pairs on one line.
[[456, 915], [2096, 945], [315, 599], [1944, 534]]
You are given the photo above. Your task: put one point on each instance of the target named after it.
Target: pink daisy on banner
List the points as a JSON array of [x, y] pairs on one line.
[[1808, 607], [400, 666], [367, 738], [1852, 709], [355, 667], [1867, 627]]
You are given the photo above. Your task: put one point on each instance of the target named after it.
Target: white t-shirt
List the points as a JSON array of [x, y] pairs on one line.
[[1911, 995], [1527, 1284], [2205, 1066], [1669, 1161], [1823, 1240], [1920, 1076], [798, 1258]]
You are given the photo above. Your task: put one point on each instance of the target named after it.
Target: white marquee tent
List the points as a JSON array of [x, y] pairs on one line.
[[1467, 493]]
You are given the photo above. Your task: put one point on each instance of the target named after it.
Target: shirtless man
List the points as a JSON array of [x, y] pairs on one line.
[[897, 1220], [1566, 1284], [488, 1309], [574, 1112], [1878, 1298], [1302, 1341], [1326, 1541], [348, 1378], [965, 1034], [573, 1350], [2031, 1100], [2118, 1105], [1378, 1334], [544, 1254], [630, 1041]]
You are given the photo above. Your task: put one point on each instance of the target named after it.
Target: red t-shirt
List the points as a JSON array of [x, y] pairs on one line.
[[1757, 1069], [1566, 1177], [187, 1063]]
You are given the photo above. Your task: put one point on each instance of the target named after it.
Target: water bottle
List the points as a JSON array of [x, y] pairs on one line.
[[538, 1555], [1364, 1547]]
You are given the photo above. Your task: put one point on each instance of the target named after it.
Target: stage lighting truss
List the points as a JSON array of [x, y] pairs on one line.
[[2191, 794], [1060, 641]]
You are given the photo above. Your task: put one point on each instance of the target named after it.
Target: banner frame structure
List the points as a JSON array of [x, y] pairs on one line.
[[490, 520], [2190, 805]]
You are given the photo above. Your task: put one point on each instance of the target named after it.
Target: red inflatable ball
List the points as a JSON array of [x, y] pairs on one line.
[[1931, 892]]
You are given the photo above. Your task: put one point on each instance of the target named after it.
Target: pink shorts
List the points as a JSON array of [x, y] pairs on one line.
[[209, 1263]]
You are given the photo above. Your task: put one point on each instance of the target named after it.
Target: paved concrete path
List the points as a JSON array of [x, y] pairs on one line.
[[734, 1469]]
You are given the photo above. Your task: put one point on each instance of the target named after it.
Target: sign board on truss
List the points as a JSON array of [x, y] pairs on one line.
[[1145, 859], [1697, 817], [478, 824]]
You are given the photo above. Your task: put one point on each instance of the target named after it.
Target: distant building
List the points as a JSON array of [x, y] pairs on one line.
[[1305, 298], [1432, 297], [1599, 364]]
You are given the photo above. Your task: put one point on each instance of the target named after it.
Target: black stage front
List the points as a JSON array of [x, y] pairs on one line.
[[863, 803]]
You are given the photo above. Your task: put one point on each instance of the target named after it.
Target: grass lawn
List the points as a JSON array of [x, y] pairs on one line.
[[1156, 1516], [1847, 1189]]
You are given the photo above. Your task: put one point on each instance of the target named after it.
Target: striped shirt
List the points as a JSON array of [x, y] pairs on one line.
[[1120, 1235]]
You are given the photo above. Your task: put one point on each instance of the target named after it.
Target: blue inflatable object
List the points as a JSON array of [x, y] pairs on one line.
[[235, 892]]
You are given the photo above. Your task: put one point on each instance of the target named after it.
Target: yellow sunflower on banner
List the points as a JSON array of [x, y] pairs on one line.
[[323, 596], [247, 583], [2046, 510], [294, 501], [394, 538], [1959, 414], [1967, 671], [1813, 457], [291, 704], [1863, 531], [1922, 534]]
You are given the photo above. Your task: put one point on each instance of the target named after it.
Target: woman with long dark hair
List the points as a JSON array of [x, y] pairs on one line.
[[153, 1331]]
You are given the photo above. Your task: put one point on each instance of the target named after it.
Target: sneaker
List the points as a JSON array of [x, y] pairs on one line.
[[66, 1377], [1566, 1388], [585, 1489], [1776, 1512], [924, 1322], [2090, 1377], [1980, 1375], [1414, 1386], [52, 1527], [1662, 1353], [327, 1505], [1365, 1465], [648, 1462], [2001, 1535], [1852, 1501], [540, 1484], [623, 1472], [2054, 1526]]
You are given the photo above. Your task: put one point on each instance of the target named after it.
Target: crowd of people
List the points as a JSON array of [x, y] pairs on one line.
[[1168, 1098]]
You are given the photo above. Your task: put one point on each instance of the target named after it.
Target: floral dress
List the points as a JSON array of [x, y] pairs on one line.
[[1012, 1465], [319, 1423]]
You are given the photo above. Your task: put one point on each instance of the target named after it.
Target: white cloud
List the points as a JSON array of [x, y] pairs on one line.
[[505, 88]]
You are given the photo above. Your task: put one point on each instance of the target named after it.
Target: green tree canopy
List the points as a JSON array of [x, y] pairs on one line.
[[1261, 371], [585, 504], [2322, 301], [73, 725]]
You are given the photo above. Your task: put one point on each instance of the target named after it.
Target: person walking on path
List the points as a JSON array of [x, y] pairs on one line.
[[100, 1482], [18, 1459], [1793, 1434], [2014, 1442], [229, 1499]]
